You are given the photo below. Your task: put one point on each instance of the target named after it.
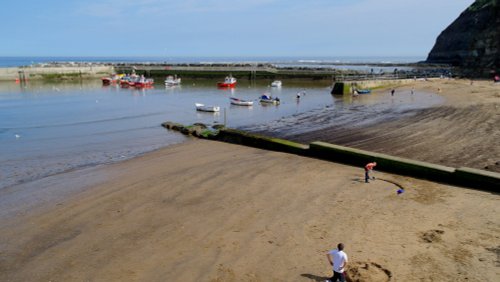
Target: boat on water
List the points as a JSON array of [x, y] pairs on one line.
[[128, 80], [172, 80], [143, 82], [113, 79], [267, 99], [229, 82], [203, 108], [240, 102], [276, 83]]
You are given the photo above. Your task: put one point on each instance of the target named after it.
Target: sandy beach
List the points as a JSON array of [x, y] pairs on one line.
[[211, 211]]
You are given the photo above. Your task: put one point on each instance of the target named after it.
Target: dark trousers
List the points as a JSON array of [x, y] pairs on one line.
[[367, 175], [338, 277]]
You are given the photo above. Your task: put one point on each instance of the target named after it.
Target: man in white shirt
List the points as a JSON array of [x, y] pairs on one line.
[[338, 260]]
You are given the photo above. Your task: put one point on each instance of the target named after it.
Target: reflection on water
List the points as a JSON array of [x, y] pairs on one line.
[[48, 128]]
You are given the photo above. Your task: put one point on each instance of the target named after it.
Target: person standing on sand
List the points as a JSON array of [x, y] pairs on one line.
[[368, 168], [338, 260], [392, 92]]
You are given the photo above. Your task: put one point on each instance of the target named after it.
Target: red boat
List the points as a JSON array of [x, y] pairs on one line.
[[229, 82], [143, 82], [111, 79]]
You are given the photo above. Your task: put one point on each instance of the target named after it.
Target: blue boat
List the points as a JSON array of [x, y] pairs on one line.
[[363, 91]]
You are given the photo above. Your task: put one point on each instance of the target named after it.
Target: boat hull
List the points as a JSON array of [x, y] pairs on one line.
[[203, 108], [226, 85], [239, 102], [269, 101]]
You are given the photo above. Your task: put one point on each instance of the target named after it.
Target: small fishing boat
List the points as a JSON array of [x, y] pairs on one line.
[[229, 82], [276, 83], [266, 99], [240, 102], [363, 91], [203, 108], [172, 80], [143, 82], [128, 80], [113, 79]]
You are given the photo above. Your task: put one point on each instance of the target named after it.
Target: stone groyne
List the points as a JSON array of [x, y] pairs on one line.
[[55, 72], [61, 71]]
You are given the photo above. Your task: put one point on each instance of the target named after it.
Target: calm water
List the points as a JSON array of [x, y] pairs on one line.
[[48, 128]]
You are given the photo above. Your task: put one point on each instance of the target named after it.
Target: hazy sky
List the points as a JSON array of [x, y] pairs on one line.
[[224, 27]]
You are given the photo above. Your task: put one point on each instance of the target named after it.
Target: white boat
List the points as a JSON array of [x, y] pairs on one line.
[[240, 102], [229, 82], [276, 83], [172, 80], [203, 108]]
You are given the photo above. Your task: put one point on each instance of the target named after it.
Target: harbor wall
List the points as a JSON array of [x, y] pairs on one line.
[[465, 177], [55, 72]]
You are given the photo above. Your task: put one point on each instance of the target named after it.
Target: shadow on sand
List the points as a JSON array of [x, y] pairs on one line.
[[315, 277]]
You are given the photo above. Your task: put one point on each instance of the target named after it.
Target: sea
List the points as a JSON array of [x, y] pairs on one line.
[[345, 62], [48, 128]]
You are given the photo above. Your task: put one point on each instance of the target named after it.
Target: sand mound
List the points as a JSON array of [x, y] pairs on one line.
[[367, 271]]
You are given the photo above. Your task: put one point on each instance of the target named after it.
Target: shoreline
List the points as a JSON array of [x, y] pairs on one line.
[[213, 211], [460, 132]]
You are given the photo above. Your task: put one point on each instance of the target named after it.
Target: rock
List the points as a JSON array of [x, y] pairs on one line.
[[167, 125], [218, 126], [199, 124], [472, 41]]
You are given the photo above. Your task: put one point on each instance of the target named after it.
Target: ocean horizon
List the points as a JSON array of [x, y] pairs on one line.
[[17, 61]]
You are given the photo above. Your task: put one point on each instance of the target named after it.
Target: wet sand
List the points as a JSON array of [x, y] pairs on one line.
[[462, 131], [210, 211]]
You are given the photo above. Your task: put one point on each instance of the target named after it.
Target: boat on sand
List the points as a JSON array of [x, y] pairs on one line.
[[363, 91]]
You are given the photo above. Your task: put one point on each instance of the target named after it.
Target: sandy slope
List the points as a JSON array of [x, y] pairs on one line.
[[465, 131], [209, 211]]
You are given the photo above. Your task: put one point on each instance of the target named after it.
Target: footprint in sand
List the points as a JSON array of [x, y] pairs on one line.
[[432, 236], [367, 271]]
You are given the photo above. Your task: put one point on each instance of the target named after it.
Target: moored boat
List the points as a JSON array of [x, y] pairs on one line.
[[363, 91], [240, 102], [128, 80], [267, 99], [172, 80], [143, 82], [276, 83], [111, 79], [203, 108], [229, 81]]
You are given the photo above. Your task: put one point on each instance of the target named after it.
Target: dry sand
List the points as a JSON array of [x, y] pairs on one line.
[[210, 211]]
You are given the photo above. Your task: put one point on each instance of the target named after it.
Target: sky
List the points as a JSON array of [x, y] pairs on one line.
[[224, 28]]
